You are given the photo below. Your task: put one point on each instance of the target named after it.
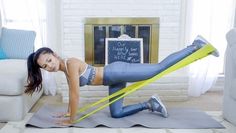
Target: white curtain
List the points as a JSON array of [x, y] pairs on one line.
[[0, 21], [51, 34], [212, 19], [34, 15]]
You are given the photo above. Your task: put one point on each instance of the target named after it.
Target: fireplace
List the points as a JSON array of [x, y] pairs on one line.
[[97, 29]]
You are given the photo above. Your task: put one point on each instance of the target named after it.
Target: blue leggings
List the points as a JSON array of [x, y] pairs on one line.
[[117, 74]]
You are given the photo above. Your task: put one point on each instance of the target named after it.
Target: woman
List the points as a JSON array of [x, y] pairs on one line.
[[114, 75]]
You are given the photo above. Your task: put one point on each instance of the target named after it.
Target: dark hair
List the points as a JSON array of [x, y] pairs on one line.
[[34, 79]]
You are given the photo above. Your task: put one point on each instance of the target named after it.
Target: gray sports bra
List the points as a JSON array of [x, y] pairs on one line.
[[87, 76]]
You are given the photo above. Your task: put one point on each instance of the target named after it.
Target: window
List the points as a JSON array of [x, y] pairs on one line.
[[27, 15]]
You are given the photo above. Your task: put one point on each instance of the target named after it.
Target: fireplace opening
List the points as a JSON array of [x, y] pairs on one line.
[[97, 29]]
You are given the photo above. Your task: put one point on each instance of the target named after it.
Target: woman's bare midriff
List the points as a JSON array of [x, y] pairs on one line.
[[98, 79]]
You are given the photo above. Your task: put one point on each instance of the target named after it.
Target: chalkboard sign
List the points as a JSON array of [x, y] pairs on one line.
[[124, 49]]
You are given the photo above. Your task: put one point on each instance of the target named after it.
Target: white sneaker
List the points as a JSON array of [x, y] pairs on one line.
[[200, 42], [158, 106]]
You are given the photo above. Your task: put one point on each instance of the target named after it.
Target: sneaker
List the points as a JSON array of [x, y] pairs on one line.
[[200, 42], [158, 106]]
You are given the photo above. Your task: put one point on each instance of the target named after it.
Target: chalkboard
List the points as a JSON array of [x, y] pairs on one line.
[[124, 49]]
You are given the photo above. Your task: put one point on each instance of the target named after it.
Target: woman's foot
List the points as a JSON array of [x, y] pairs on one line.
[[199, 41], [155, 104]]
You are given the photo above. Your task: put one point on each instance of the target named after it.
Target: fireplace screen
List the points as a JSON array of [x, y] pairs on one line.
[[97, 29]]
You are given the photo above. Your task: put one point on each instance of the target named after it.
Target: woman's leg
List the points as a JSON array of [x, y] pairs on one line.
[[117, 74], [131, 72], [117, 110]]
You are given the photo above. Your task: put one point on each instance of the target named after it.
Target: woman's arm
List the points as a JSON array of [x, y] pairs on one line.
[[68, 109], [73, 82]]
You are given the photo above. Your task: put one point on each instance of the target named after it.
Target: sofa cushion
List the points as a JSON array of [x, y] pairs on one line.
[[230, 36], [13, 76], [230, 73], [17, 44]]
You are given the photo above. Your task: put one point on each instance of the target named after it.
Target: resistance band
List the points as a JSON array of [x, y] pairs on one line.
[[201, 53]]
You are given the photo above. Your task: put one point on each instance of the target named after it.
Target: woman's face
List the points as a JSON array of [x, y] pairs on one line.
[[49, 62]]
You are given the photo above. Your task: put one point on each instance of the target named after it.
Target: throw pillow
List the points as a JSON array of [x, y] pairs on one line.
[[17, 44], [2, 54]]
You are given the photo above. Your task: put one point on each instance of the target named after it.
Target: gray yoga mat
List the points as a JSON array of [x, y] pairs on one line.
[[179, 118]]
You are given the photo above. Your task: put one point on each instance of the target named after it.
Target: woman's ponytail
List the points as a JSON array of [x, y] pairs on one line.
[[34, 79]]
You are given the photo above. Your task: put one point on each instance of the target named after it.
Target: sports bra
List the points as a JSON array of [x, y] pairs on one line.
[[87, 75]]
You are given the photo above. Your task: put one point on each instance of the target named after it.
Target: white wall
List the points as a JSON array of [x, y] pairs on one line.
[[171, 14]]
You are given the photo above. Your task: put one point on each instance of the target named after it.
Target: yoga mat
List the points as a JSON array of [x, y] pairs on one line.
[[179, 118]]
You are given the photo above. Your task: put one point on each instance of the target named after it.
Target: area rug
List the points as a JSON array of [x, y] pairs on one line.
[[179, 118]]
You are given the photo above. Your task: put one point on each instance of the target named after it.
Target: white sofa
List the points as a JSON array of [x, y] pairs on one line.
[[15, 46], [14, 104], [229, 101]]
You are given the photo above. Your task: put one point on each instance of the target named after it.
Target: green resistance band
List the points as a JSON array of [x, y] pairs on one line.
[[201, 53]]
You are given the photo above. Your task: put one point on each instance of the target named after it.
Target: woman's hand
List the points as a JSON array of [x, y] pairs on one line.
[[61, 114], [64, 122], [64, 118]]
